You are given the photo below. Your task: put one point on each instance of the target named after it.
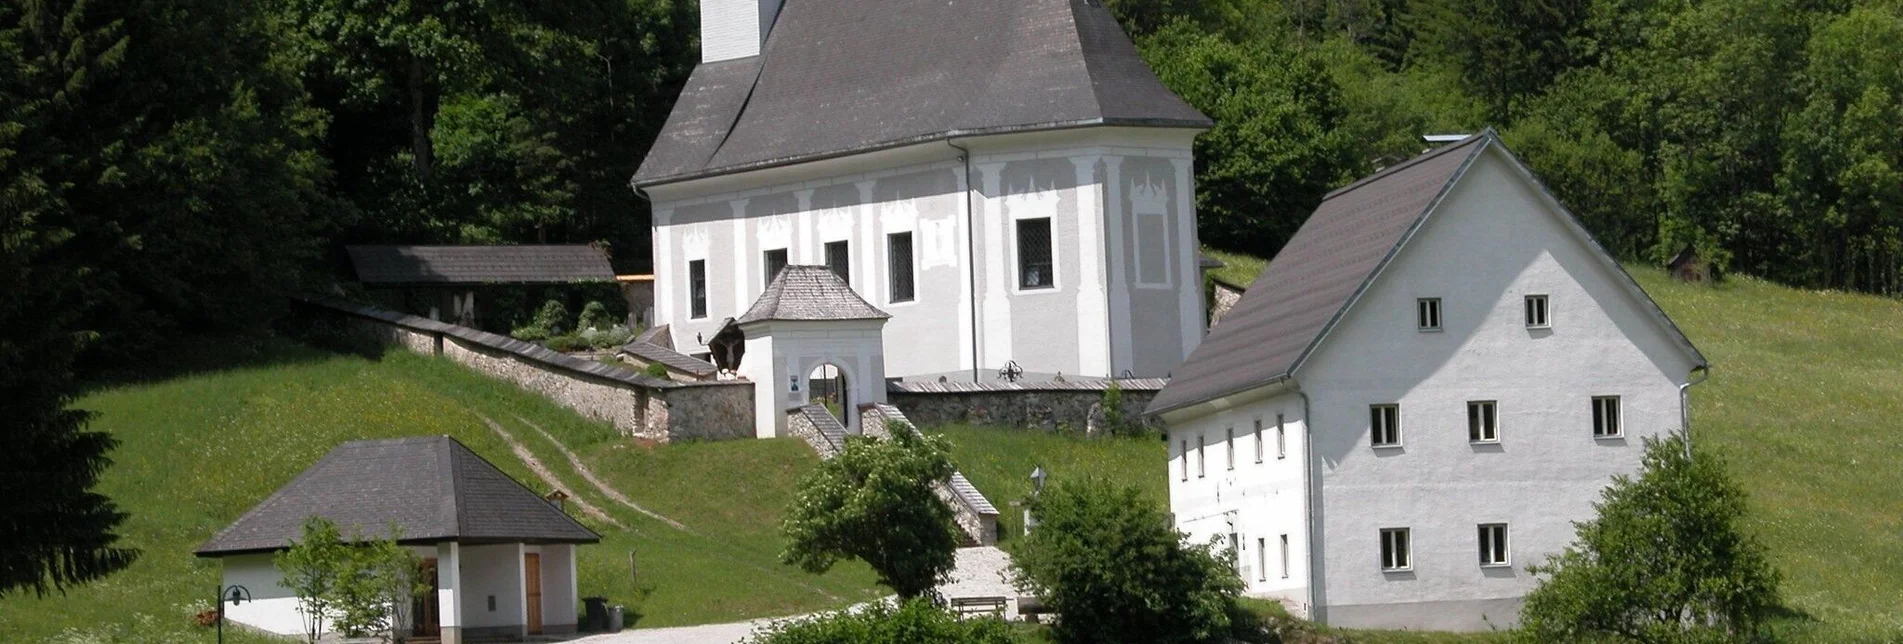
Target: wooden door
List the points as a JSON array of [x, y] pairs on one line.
[[532, 573], [425, 616]]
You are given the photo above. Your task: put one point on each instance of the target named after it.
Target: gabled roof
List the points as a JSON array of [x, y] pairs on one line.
[[511, 264], [432, 488], [1311, 284], [810, 293], [838, 77]]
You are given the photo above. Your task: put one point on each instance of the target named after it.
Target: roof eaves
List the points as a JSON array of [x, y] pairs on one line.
[[1259, 383], [1488, 138], [709, 172]]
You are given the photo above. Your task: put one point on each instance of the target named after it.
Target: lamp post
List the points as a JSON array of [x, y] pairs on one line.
[[235, 594], [1037, 486]]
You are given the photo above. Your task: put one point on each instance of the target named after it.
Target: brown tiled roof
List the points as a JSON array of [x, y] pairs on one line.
[[1311, 283], [512, 264], [810, 293], [843, 76], [432, 488]]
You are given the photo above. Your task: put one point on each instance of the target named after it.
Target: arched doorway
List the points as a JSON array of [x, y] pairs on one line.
[[826, 386]]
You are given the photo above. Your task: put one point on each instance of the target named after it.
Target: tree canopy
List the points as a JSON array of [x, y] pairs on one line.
[[874, 502]]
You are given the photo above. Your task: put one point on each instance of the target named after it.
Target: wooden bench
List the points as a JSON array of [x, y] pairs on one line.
[[965, 606]]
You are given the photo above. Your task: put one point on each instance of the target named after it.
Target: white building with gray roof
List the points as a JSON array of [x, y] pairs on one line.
[[1008, 181]]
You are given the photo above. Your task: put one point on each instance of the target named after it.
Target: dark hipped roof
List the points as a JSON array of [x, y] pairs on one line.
[[844, 76], [1336, 254], [519, 264], [810, 293], [432, 488]]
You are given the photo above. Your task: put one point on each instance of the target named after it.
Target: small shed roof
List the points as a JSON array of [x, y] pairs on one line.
[[810, 293], [432, 488], [506, 264]]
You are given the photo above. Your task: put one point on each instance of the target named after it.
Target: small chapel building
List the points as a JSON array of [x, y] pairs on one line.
[[499, 559], [1427, 386]]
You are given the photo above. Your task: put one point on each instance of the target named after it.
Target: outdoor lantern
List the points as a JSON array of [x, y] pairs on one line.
[[235, 594]]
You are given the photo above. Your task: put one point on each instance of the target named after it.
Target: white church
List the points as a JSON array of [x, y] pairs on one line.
[[1426, 386], [1008, 182]]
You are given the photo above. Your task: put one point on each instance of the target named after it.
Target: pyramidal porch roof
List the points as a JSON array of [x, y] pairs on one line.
[[810, 293]]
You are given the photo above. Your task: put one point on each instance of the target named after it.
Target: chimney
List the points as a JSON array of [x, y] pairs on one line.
[[731, 29]]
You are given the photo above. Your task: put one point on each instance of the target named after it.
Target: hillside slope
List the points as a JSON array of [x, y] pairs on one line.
[[197, 450]]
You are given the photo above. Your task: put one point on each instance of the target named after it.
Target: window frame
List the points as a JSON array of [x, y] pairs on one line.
[[1397, 555], [1483, 428], [1285, 555], [767, 259], [1202, 457], [1185, 450], [1389, 415], [1230, 447], [1427, 314], [696, 289], [841, 264], [1021, 264], [1492, 544], [1261, 559], [1281, 437], [1607, 414], [892, 272], [1258, 439], [1541, 304]]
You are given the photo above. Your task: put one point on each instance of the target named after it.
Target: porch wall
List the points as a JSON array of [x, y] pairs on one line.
[[492, 572]]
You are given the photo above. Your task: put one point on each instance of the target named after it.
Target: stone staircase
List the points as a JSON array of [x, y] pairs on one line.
[[818, 427]]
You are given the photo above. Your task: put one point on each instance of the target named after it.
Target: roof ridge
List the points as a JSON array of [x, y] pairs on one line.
[[1083, 60], [1417, 160]]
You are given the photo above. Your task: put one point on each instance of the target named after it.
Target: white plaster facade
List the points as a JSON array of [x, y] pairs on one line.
[[468, 576], [782, 354], [1127, 294], [1495, 239]]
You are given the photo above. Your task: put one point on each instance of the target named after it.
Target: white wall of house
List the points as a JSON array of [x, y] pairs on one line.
[[782, 355], [1259, 498], [1490, 244], [272, 607], [1126, 294], [560, 593], [492, 571]]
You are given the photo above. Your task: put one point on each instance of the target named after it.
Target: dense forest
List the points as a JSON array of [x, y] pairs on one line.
[[177, 166]]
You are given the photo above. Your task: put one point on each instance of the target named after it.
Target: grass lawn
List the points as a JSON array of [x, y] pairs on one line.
[[1239, 269], [196, 450], [999, 462]]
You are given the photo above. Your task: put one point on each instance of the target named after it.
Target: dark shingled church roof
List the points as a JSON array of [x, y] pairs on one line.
[[838, 77], [432, 488], [510, 264], [810, 293], [1312, 280]]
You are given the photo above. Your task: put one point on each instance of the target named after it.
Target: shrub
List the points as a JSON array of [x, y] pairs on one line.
[[567, 343], [602, 338], [595, 315], [1664, 561], [1113, 567], [874, 502], [363, 585], [914, 622], [550, 321], [658, 370]]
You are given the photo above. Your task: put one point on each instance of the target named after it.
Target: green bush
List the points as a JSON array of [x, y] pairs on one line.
[[550, 321], [595, 315], [567, 343], [914, 622], [874, 502], [1665, 560], [658, 370], [1113, 566]]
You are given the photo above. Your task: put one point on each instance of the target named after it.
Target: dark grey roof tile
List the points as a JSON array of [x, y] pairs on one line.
[[810, 293]]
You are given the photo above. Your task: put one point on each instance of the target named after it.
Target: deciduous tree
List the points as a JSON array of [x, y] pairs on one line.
[[874, 502]]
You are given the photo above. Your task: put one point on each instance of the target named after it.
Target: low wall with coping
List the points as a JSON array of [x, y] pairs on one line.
[[1048, 405], [973, 513], [636, 404]]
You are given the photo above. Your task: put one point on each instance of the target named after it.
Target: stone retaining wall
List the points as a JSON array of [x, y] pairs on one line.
[[1050, 406], [637, 405]]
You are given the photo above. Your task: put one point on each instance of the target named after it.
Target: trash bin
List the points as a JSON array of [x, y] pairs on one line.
[[614, 619], [597, 619]]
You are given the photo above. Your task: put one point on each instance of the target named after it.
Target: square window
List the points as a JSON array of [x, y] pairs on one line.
[[1493, 544], [775, 262], [1536, 312], [898, 260], [1394, 553], [1384, 425], [1605, 417], [1229, 445], [1427, 313], [1483, 422], [839, 258], [697, 288], [1035, 269]]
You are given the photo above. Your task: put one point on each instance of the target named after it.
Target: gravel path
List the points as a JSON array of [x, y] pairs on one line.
[[541, 471], [602, 486]]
